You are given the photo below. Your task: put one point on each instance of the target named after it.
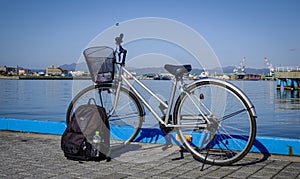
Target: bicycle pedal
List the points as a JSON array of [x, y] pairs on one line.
[[187, 137], [167, 146], [165, 129]]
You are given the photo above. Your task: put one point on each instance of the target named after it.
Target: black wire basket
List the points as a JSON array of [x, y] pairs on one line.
[[101, 63]]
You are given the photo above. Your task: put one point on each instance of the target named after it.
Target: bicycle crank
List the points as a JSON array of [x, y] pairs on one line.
[[163, 127]]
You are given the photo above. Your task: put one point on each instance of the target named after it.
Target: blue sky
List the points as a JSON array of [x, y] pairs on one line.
[[39, 33]]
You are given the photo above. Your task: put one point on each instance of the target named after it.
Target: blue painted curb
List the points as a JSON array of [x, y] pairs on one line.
[[36, 126], [267, 145], [275, 145]]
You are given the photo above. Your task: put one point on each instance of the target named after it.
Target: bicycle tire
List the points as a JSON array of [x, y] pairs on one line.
[[126, 120], [231, 130]]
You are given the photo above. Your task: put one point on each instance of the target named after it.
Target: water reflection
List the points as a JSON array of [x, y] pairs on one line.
[[287, 100]]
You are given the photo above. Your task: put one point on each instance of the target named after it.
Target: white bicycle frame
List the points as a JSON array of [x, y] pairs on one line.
[[121, 77]]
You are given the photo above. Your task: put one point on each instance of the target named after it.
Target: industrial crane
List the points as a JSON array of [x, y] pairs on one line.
[[241, 66], [270, 66]]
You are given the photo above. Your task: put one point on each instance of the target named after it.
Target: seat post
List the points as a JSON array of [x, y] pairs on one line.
[[172, 96]]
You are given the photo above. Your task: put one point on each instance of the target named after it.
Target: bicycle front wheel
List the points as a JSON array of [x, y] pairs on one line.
[[125, 119], [216, 121]]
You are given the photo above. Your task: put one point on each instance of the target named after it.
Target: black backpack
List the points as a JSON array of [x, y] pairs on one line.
[[77, 139]]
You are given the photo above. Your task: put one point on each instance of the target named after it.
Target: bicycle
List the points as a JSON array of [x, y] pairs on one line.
[[215, 120]]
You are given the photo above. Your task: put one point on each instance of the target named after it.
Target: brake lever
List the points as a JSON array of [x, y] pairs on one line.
[[119, 39]]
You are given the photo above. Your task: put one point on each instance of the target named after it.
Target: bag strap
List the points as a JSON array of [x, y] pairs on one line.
[[92, 99]]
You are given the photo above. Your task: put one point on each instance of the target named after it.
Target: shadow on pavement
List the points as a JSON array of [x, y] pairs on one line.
[[154, 135]]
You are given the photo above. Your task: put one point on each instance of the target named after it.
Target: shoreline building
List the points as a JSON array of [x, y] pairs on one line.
[[22, 71], [54, 71], [8, 70]]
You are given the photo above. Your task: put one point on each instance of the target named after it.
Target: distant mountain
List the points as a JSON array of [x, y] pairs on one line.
[[263, 71], [156, 70], [69, 67], [74, 66], [38, 70], [227, 69], [147, 70]]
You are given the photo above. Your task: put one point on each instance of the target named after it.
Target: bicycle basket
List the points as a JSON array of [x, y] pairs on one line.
[[101, 63]]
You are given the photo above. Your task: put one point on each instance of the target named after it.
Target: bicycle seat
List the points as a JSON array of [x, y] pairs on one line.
[[178, 70]]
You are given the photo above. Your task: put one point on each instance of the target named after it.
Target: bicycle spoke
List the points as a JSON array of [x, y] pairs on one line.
[[232, 114], [230, 125], [229, 136], [122, 117], [238, 130]]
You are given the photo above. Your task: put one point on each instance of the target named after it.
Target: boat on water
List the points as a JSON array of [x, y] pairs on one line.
[[162, 77], [252, 77], [203, 75], [246, 76]]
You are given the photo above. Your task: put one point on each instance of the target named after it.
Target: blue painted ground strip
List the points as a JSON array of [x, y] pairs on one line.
[[267, 145], [36, 126]]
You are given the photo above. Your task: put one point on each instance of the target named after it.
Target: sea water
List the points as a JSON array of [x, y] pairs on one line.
[[278, 111]]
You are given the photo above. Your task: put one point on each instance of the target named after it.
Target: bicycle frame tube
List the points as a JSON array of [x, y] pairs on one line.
[[115, 102], [193, 101], [141, 97], [168, 106]]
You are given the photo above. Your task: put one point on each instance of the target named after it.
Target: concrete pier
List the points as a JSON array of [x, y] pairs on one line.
[[26, 155], [288, 78], [267, 145]]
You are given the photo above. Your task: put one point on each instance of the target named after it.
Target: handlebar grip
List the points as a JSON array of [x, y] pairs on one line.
[[119, 39]]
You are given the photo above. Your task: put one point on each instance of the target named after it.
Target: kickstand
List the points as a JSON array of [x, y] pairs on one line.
[[208, 147], [204, 160]]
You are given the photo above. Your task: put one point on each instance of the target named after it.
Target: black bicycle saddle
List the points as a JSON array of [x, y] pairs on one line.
[[178, 70]]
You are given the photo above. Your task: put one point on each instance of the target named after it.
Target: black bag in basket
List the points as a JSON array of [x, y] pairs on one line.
[[77, 139]]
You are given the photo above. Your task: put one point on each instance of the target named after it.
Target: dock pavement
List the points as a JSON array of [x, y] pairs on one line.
[[29, 155]]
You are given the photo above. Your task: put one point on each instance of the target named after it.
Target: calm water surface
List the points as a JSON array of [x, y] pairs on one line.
[[278, 111]]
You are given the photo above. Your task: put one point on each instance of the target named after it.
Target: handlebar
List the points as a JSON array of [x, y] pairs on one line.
[[119, 39], [121, 50]]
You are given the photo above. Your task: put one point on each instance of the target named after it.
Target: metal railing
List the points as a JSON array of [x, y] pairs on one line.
[[288, 69]]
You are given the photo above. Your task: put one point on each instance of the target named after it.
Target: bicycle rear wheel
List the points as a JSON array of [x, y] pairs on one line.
[[125, 120], [225, 129]]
